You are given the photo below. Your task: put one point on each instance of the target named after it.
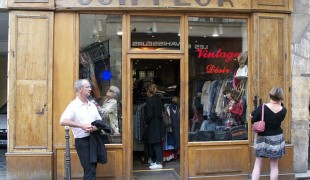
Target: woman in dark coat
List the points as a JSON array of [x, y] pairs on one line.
[[154, 125]]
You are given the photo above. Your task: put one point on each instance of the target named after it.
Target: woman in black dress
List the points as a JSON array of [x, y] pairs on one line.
[[270, 143], [154, 125]]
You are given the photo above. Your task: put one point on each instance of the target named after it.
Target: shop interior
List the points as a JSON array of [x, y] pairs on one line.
[[165, 74]]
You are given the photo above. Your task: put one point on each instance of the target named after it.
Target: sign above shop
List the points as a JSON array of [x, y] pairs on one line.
[[220, 3], [156, 4]]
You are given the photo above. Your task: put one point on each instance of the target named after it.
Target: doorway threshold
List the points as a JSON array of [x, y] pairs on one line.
[[168, 174]]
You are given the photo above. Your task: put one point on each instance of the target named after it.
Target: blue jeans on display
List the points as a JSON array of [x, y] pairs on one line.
[[82, 148]]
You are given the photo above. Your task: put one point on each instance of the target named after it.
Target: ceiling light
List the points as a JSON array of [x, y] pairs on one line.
[[149, 30], [220, 28], [215, 33], [119, 31]]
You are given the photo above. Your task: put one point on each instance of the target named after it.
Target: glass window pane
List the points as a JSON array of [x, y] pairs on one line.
[[217, 79], [155, 33], [101, 63]]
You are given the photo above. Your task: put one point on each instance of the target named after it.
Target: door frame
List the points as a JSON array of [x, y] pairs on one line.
[[128, 149]]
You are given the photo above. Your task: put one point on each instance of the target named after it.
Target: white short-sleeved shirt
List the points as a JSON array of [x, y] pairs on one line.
[[80, 112]]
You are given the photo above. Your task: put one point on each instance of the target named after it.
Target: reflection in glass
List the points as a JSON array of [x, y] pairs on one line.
[[155, 33], [217, 79], [101, 62]]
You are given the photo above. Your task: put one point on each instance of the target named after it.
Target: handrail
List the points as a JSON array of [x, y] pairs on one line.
[[68, 159]]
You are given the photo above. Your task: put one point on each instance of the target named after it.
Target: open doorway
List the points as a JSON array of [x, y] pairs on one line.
[[165, 74]]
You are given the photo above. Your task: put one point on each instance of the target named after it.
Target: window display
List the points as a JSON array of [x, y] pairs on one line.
[[217, 79], [101, 63]]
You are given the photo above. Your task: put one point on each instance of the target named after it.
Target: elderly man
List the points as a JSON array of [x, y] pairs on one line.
[[79, 115]]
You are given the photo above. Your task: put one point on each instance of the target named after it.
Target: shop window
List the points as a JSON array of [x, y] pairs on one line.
[[217, 79], [100, 61], [155, 33]]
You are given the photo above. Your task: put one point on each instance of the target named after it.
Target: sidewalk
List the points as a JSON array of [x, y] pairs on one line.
[[3, 164], [305, 175], [300, 176]]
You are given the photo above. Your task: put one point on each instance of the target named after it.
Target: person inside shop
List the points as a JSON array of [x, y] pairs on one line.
[[79, 115], [270, 143], [109, 109], [154, 126]]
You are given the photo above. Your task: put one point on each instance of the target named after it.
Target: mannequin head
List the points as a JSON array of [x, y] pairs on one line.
[[242, 59]]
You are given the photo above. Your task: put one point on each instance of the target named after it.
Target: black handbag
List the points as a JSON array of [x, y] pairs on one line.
[[222, 135], [205, 136], [239, 132], [192, 136]]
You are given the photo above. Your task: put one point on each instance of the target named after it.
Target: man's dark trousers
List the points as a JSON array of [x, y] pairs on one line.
[[82, 146]]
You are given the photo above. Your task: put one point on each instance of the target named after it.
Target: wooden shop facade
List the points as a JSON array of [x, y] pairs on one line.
[[194, 50]]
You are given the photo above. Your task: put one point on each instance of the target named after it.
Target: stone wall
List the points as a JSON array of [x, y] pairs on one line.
[[300, 60]]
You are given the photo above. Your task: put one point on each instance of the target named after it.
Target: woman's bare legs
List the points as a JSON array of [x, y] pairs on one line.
[[257, 168], [274, 169]]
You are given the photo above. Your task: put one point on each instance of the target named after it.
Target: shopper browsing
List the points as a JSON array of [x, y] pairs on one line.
[[270, 143]]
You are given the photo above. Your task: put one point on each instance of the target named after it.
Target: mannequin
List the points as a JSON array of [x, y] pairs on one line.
[[228, 117], [242, 71]]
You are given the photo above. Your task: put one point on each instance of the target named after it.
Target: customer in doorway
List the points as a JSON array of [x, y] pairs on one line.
[[270, 143], [109, 109], [79, 115], [154, 125]]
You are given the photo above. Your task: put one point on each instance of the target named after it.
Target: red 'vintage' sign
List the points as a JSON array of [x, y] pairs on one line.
[[205, 53], [219, 54]]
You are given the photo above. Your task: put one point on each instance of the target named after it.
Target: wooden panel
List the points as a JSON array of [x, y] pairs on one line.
[[271, 62], [29, 166], [65, 69], [31, 4], [207, 161], [273, 5], [30, 80], [111, 170]]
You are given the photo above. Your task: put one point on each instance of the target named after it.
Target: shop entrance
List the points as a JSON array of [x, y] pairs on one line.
[[165, 75]]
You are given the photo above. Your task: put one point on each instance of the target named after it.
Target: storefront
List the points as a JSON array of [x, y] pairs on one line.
[[204, 56]]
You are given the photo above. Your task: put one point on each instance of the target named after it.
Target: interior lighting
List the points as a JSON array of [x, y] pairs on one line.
[[215, 33], [149, 30], [220, 28], [119, 31]]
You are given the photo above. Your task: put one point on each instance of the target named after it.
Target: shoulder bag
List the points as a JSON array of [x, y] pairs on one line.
[[166, 118], [259, 126]]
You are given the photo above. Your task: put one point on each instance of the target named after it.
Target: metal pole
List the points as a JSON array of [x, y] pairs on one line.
[[68, 160]]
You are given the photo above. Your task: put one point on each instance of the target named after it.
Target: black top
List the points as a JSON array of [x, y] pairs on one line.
[[153, 119], [272, 120]]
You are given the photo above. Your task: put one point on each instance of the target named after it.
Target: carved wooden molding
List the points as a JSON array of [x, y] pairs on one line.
[[31, 1], [31, 4]]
